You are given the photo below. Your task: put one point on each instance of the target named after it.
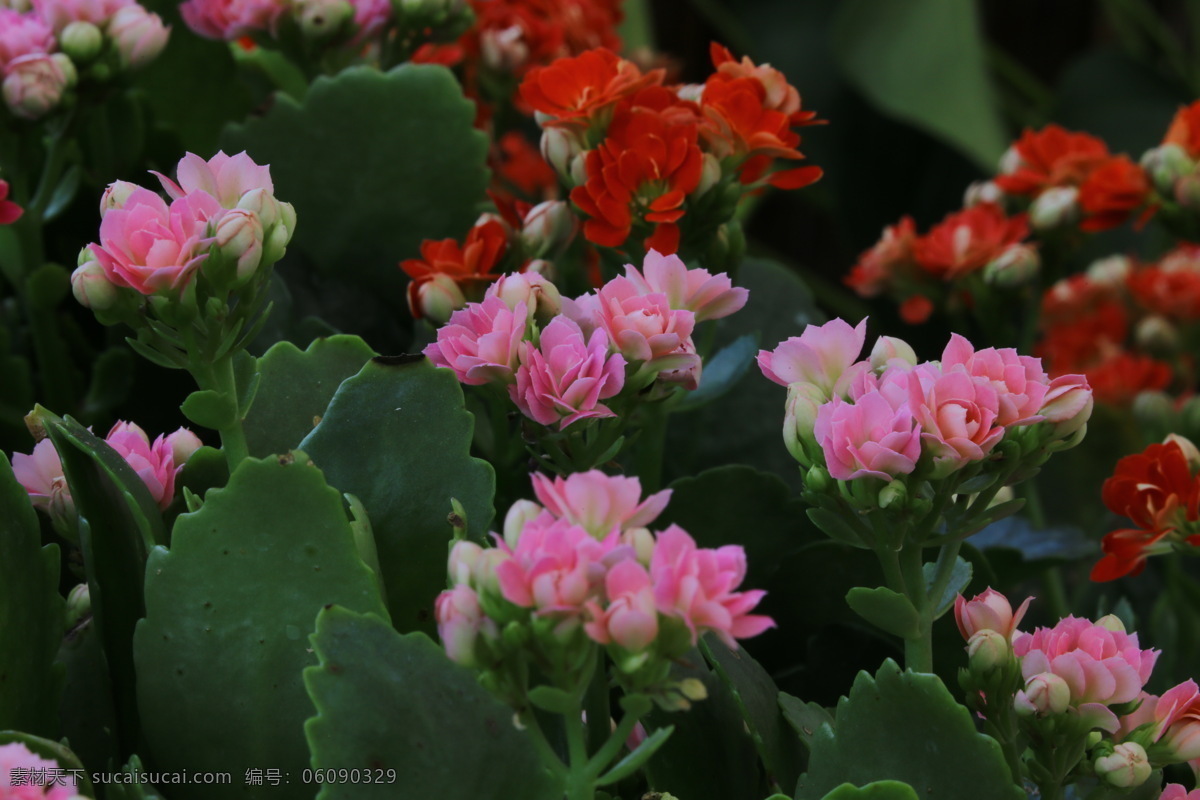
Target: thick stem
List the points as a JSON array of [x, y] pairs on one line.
[[233, 436], [596, 701], [918, 650], [581, 783]]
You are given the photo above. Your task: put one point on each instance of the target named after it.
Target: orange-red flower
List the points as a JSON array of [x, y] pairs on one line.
[[1120, 378], [877, 266], [468, 266], [1172, 288], [1111, 193], [648, 163], [916, 309], [967, 240], [1050, 157], [576, 92], [779, 94], [517, 164], [1185, 129]]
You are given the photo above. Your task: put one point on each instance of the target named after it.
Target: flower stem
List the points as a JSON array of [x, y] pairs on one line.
[[233, 436], [918, 650]]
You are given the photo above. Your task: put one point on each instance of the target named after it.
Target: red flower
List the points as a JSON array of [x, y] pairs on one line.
[[780, 95], [10, 212], [916, 309], [1111, 193], [1185, 130], [967, 240], [576, 91], [1120, 378], [468, 266], [877, 266], [1052, 156], [648, 163], [1172, 292], [517, 164]]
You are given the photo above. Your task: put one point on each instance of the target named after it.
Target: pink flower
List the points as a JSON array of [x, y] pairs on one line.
[[231, 19], [183, 443], [1068, 404], [41, 473], [22, 35], [1100, 663], [138, 35], [644, 327], [147, 246], [565, 378], [540, 296], [153, 463], [460, 622], [226, 178], [631, 618], [1177, 713], [696, 290], [990, 611], [17, 759], [1176, 791], [824, 355], [959, 415], [599, 503], [697, 586], [481, 342], [369, 18], [58, 14], [1019, 381], [10, 212], [34, 84], [876, 436]]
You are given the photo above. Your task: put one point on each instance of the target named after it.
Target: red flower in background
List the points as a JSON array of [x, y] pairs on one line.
[[877, 267], [468, 266], [967, 240], [1050, 157], [10, 212], [517, 164], [1122, 377], [1172, 288], [1185, 129], [1111, 193], [575, 91]]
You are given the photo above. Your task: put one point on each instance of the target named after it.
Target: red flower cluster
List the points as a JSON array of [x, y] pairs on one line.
[[979, 238], [642, 154], [1185, 130], [447, 273], [1158, 490], [1119, 321]]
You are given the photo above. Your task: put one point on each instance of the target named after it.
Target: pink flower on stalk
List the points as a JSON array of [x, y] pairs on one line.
[[34, 83], [231, 19], [22, 35], [708, 296], [989, 611], [540, 296], [460, 622], [138, 35], [1176, 791], [1177, 714], [959, 415], [1019, 381], [631, 618], [564, 379], [824, 355], [226, 178], [481, 342], [145, 245], [876, 436], [58, 14], [1101, 664], [1068, 404], [697, 586], [154, 463], [41, 473], [599, 503], [644, 327], [17, 759]]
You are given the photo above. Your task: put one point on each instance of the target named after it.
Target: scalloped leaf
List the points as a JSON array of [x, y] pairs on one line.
[[374, 162], [387, 701], [228, 611], [948, 759], [296, 388], [398, 437], [31, 615], [880, 790]]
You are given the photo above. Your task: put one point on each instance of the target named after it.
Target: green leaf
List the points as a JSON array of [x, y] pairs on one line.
[[923, 62], [879, 790], [398, 438], [296, 388], [111, 380], [31, 615], [960, 577], [86, 710], [805, 718], [548, 698], [722, 372], [228, 611], [836, 527], [210, 408], [634, 761], [47, 285], [874, 740], [885, 609], [374, 163], [391, 702], [47, 748], [779, 748], [246, 378]]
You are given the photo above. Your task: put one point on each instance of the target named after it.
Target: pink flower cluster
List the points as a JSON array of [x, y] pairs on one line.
[[879, 417], [153, 247], [350, 22], [41, 49], [583, 560], [559, 374], [156, 463], [1167, 726], [19, 771]]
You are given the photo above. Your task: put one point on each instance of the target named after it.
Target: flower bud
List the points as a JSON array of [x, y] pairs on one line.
[[1187, 192], [1182, 741], [519, 515], [81, 41], [1068, 405], [183, 444], [92, 288], [504, 50], [800, 414], [889, 349], [275, 242], [988, 610], [262, 203], [1014, 266], [1054, 208], [642, 542], [1111, 622], [68, 68], [1165, 165], [1111, 271], [987, 650], [710, 173], [34, 85], [817, 479], [1153, 407], [1190, 452], [1156, 333], [1044, 693], [79, 605], [320, 19], [116, 195], [1126, 767], [548, 228], [559, 148], [464, 555], [541, 297], [578, 169], [983, 192], [137, 35], [1011, 161], [239, 236], [439, 297], [894, 494]]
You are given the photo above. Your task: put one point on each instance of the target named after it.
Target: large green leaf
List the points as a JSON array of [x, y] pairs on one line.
[[905, 726], [228, 611], [374, 163], [924, 62], [880, 790], [296, 386], [86, 709], [393, 704], [31, 615], [398, 438]]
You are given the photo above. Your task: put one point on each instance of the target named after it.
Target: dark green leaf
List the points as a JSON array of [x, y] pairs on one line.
[[879, 790], [634, 761], [960, 577], [887, 610], [209, 408], [834, 525], [805, 718], [87, 713], [722, 372]]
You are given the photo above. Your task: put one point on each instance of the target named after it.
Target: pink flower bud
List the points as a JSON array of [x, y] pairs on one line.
[[800, 415], [560, 147], [988, 650], [41, 474], [520, 514], [138, 36], [548, 227], [1126, 767], [1068, 404], [153, 463], [239, 236], [890, 351], [116, 196], [540, 296], [989, 610], [33, 85], [1045, 693], [460, 623], [464, 556], [81, 41], [92, 287], [183, 443], [824, 355]]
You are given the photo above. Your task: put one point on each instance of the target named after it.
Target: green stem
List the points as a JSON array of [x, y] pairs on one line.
[[549, 758], [597, 705], [649, 461], [581, 784], [947, 558], [608, 751], [918, 650], [233, 436]]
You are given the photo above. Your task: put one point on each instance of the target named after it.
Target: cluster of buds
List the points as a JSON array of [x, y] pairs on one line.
[[1159, 491], [890, 434], [1075, 688], [180, 264], [1128, 326], [664, 165], [579, 570], [1173, 169], [519, 239], [45, 50], [157, 463], [319, 24], [559, 358]]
